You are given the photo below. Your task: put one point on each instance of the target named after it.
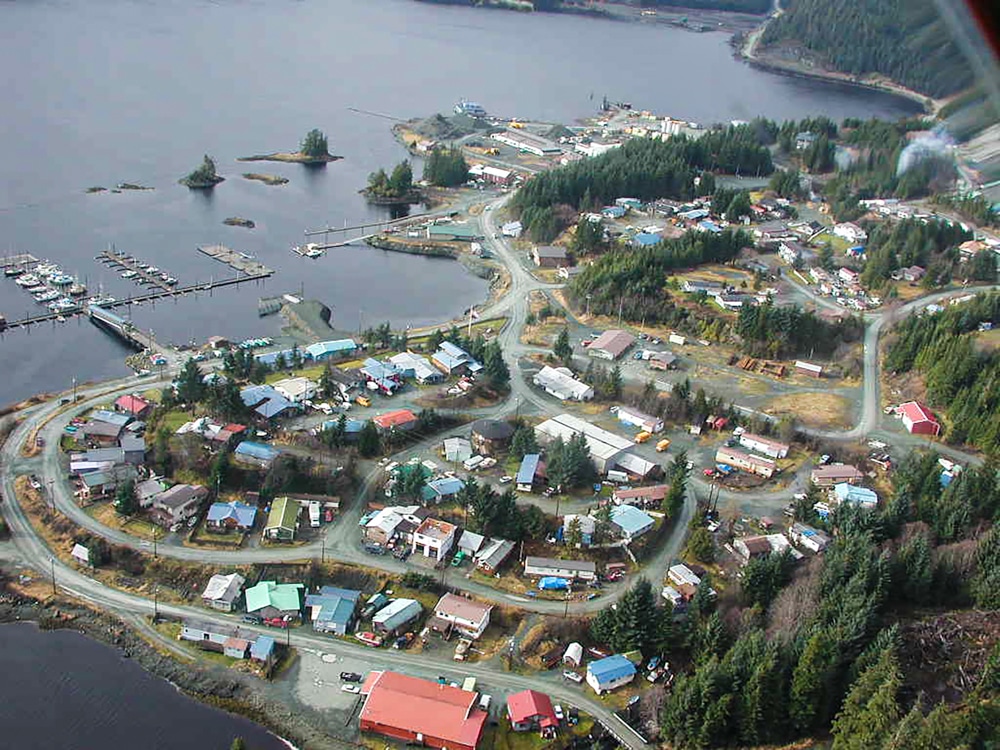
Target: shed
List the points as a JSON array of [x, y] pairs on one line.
[[262, 649], [457, 449], [573, 655], [260, 455], [396, 615]]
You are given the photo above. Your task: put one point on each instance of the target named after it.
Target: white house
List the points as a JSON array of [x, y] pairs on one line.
[[850, 232], [808, 538], [766, 446], [296, 390], [223, 592], [540, 567], [559, 382], [457, 613], [434, 538]]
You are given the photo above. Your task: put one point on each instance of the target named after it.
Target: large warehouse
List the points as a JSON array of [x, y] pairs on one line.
[[607, 450]]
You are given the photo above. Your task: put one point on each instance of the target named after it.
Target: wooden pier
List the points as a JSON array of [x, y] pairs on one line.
[[131, 264], [17, 260], [236, 260]]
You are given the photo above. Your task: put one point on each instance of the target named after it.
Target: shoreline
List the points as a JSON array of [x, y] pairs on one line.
[[216, 687]]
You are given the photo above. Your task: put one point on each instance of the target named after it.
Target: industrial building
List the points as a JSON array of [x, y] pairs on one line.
[[607, 450], [611, 344], [559, 382]]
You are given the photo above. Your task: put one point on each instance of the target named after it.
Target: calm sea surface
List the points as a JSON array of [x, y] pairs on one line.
[[64, 690], [109, 91]]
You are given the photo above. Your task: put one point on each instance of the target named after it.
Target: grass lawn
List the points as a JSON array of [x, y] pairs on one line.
[[172, 630], [312, 372], [814, 409], [174, 419], [505, 738], [105, 514]]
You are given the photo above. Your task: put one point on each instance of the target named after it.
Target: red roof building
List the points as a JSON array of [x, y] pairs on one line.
[[530, 709], [918, 419], [414, 710], [401, 419], [134, 405]]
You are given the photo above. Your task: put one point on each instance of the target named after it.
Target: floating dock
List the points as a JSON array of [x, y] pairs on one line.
[[17, 260], [236, 260], [142, 276]]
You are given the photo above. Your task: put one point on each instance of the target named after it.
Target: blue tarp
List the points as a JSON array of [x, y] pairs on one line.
[[551, 583]]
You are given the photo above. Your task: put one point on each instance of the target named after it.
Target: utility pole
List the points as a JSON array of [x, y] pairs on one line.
[[52, 563], [154, 543], [322, 551], [156, 608], [621, 304], [588, 305], [74, 390], [566, 609]]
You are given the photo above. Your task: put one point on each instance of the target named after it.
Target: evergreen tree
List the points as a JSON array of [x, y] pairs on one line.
[[314, 144], [190, 384], [369, 443], [562, 349], [871, 710], [574, 536], [125, 501], [811, 691], [523, 442]]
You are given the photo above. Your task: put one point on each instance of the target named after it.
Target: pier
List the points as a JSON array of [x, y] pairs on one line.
[[142, 276], [236, 260], [12, 261]]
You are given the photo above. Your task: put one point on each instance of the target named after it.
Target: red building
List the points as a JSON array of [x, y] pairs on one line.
[[530, 709], [413, 710], [918, 419], [401, 419], [134, 405]]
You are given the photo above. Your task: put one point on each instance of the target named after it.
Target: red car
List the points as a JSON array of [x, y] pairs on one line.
[[276, 622]]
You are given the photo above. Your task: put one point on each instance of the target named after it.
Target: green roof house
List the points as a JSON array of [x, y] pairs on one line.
[[272, 599], [282, 521]]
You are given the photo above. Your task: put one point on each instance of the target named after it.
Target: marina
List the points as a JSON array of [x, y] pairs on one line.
[[236, 260], [136, 270]]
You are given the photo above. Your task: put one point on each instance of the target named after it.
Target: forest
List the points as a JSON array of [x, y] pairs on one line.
[[931, 245], [872, 643], [904, 40], [642, 168], [737, 6], [788, 331], [961, 377]]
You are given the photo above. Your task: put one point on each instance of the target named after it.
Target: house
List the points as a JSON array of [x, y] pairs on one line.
[[791, 251], [223, 592], [414, 366], [512, 229], [752, 547], [606, 448], [434, 538], [694, 286], [81, 554], [396, 615], [611, 344], [296, 390], [862, 496], [259, 455], [543, 567], [272, 599], [231, 515], [808, 537], [462, 615], [178, 504], [773, 232], [493, 555], [760, 444], [332, 609], [586, 524], [100, 432], [636, 418], [133, 448], [528, 472], [970, 248], [804, 140], [134, 406], [385, 375], [918, 419], [807, 368], [641, 496], [401, 420], [282, 520], [454, 360], [323, 350], [409, 709], [388, 524], [747, 462], [207, 635], [457, 449], [147, 490], [266, 402], [682, 575], [441, 489], [662, 361], [529, 710], [491, 436], [613, 212], [470, 543], [559, 382], [828, 476], [850, 232], [610, 673], [913, 273], [236, 648], [630, 521], [262, 649], [549, 256], [646, 239]]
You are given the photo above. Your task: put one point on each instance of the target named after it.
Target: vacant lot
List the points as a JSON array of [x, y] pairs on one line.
[[813, 409]]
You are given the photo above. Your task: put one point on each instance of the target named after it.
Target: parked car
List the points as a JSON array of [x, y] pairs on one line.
[[559, 712], [574, 676], [350, 689], [350, 677], [506, 479], [276, 622], [252, 619]]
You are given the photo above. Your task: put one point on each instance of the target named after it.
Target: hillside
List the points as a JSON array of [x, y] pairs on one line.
[[904, 40]]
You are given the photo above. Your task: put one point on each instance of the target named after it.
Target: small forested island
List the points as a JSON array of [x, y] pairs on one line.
[[238, 221], [314, 149], [204, 177], [267, 179], [396, 188]]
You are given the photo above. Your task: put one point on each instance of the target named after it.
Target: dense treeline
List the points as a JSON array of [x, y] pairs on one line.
[[817, 648], [911, 242], [642, 168], [632, 281], [975, 208], [446, 168], [737, 6], [902, 39], [961, 379], [787, 331]]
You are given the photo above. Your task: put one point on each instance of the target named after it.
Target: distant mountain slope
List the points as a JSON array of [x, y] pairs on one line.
[[902, 39]]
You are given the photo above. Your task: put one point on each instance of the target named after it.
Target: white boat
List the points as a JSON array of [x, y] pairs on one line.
[[129, 275], [60, 318], [170, 281], [77, 290], [152, 269], [46, 296], [27, 279], [46, 269], [61, 279], [37, 289], [101, 299]]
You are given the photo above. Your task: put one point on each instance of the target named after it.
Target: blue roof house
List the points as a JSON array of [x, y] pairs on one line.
[[613, 212], [265, 401], [262, 649], [525, 480], [452, 359], [440, 489], [332, 609], [707, 225], [630, 521], [610, 673], [322, 350], [234, 515], [848, 493], [256, 454], [271, 358], [646, 239]]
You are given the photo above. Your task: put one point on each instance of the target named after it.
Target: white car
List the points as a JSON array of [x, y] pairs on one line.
[[350, 689], [559, 712], [506, 479], [574, 676]]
